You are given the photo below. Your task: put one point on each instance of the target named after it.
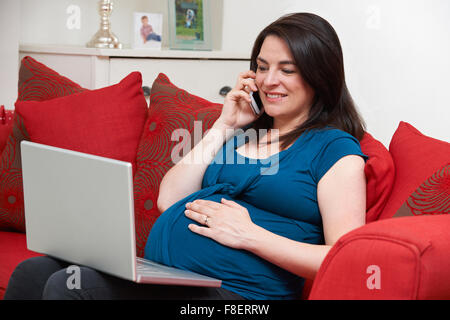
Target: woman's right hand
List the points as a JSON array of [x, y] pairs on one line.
[[236, 111]]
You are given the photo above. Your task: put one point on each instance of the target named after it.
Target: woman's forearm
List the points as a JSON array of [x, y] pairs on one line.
[[302, 259], [186, 176]]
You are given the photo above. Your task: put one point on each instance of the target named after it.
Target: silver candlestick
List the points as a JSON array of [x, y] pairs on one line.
[[104, 38]]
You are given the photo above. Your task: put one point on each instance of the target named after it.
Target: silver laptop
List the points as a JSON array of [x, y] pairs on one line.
[[79, 208]]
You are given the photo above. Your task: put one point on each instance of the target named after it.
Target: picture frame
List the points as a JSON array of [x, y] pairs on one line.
[[190, 25], [147, 30]]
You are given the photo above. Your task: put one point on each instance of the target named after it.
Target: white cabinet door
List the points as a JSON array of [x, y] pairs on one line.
[[203, 78]]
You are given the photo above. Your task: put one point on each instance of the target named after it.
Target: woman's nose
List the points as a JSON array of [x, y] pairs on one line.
[[271, 79]]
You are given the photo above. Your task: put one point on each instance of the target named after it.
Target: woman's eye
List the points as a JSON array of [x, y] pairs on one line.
[[262, 68], [288, 71]]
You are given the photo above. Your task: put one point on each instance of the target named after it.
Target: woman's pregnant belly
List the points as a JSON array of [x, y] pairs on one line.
[[172, 243]]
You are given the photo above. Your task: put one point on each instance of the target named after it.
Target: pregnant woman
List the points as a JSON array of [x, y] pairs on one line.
[[262, 229]]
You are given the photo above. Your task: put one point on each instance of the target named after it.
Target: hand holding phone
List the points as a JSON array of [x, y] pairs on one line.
[[256, 103]]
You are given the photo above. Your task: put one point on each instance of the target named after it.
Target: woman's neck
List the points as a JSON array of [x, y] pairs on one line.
[[284, 126]]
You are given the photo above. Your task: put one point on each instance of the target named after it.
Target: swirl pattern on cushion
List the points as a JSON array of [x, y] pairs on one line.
[[11, 184], [431, 197], [422, 183], [171, 108], [36, 83]]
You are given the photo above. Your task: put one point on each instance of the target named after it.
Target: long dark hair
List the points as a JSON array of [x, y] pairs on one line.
[[317, 53]]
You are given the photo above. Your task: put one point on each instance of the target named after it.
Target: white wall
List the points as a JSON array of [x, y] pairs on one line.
[[45, 21], [396, 52], [9, 51]]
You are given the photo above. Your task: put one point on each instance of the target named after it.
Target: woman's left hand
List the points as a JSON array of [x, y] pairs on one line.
[[226, 222]]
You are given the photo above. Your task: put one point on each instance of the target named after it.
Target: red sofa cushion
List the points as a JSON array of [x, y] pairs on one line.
[[380, 175], [11, 184], [404, 258], [13, 250], [106, 122], [171, 108], [36, 83], [422, 180]]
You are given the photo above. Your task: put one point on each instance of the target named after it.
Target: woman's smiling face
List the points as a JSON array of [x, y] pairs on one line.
[[285, 95]]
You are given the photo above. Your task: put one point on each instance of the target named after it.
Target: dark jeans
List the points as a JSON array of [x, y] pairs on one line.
[[48, 278], [153, 36]]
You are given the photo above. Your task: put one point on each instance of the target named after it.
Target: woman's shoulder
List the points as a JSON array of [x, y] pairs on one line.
[[324, 136], [328, 145], [328, 140]]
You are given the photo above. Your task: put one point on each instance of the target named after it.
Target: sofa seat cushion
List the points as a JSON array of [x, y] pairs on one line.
[[13, 250]]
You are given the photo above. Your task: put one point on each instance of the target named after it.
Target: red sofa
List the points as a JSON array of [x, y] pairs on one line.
[[401, 253]]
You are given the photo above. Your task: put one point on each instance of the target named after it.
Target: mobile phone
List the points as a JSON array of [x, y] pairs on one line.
[[256, 103]]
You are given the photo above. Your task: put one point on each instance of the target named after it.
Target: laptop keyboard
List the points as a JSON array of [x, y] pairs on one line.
[[152, 272], [148, 268]]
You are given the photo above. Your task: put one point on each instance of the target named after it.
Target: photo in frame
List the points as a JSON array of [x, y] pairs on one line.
[[189, 24], [147, 30]]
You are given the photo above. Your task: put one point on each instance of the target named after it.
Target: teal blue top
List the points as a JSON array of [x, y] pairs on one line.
[[280, 194]]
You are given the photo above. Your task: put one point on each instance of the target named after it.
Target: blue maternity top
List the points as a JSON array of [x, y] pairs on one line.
[[280, 194]]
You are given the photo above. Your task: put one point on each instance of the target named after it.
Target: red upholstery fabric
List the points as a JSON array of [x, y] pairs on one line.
[[307, 289], [431, 197], [380, 175], [11, 184], [5, 126], [410, 252], [171, 108], [107, 122], [13, 250], [36, 83], [8, 117], [422, 167]]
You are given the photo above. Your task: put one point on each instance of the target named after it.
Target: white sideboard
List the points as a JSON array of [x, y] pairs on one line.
[[203, 73]]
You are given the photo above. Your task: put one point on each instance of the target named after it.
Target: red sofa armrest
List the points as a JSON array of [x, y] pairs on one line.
[[400, 258]]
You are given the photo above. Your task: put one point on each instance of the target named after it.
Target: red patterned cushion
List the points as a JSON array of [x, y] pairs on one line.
[[11, 189], [106, 122], [380, 175], [36, 82], [171, 108], [422, 180]]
